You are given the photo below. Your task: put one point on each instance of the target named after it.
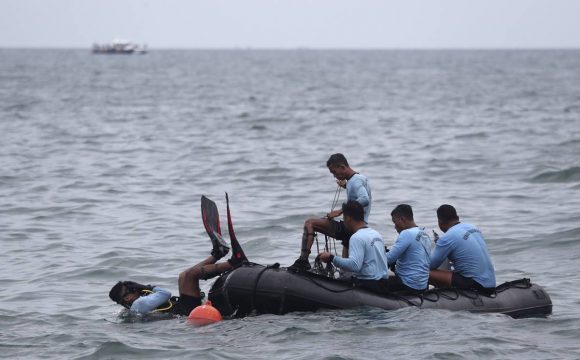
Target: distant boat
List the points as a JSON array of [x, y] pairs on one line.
[[119, 46]]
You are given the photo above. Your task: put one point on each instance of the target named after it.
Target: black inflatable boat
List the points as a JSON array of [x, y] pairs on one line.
[[271, 289], [275, 290]]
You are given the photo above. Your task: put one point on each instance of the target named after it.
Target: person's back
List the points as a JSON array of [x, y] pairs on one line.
[[367, 259], [358, 189], [411, 256], [465, 247], [145, 304]]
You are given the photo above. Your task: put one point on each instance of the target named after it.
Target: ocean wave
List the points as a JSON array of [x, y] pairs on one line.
[[22, 106], [475, 135], [120, 350], [567, 239], [570, 142], [559, 176]]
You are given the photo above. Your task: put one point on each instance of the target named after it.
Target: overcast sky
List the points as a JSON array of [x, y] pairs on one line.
[[293, 23]]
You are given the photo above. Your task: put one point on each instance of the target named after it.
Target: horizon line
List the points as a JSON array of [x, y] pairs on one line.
[[308, 48]]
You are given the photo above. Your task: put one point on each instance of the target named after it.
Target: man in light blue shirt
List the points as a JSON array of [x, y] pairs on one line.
[[465, 247], [142, 299], [357, 189], [367, 259], [410, 253]]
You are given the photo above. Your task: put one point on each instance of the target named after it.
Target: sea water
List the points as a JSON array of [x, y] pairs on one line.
[[103, 160]]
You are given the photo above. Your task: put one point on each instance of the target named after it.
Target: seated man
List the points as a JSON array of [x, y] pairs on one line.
[[357, 188], [367, 259], [410, 253], [465, 247]]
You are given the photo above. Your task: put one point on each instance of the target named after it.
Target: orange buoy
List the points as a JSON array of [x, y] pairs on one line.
[[204, 315]]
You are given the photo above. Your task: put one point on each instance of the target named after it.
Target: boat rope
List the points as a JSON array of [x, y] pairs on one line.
[[408, 301], [336, 197], [334, 205], [255, 291], [327, 288], [432, 300], [330, 268], [474, 294], [317, 245], [524, 283], [327, 247]]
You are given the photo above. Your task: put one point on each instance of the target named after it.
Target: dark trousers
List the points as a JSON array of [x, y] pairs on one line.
[[392, 284]]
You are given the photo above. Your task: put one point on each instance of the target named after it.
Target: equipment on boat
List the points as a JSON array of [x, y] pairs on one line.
[[275, 290]]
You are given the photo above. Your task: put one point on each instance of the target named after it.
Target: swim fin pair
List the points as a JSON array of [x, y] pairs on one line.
[[211, 222]]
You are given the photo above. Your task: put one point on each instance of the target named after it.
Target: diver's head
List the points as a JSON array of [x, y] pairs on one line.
[[123, 294]]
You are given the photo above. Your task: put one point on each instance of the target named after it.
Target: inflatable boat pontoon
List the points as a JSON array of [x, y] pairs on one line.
[[275, 290]]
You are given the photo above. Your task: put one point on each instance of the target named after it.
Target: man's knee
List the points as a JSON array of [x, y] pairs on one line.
[[209, 271], [182, 278], [309, 224], [440, 277], [318, 225], [189, 274]]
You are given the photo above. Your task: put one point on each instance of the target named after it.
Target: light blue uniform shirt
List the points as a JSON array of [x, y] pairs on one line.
[[358, 189], [411, 255], [465, 246], [366, 256], [148, 303]]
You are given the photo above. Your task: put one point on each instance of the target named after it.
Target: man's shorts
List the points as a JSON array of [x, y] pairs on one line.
[[461, 282], [386, 286], [185, 304], [394, 283], [340, 231]]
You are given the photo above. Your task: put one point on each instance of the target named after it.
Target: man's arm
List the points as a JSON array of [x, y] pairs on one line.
[[399, 247], [355, 258], [150, 302], [334, 214], [362, 196], [440, 253]]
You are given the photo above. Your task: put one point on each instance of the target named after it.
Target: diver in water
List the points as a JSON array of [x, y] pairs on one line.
[[142, 299], [357, 189]]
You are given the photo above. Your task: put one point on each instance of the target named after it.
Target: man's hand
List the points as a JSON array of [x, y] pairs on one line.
[[341, 183], [435, 236], [334, 214], [325, 256]]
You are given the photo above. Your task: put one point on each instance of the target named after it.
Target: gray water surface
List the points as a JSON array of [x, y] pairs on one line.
[[103, 160]]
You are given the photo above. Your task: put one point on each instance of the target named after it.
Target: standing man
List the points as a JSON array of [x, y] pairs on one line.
[[465, 247], [410, 253], [367, 259], [357, 189]]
